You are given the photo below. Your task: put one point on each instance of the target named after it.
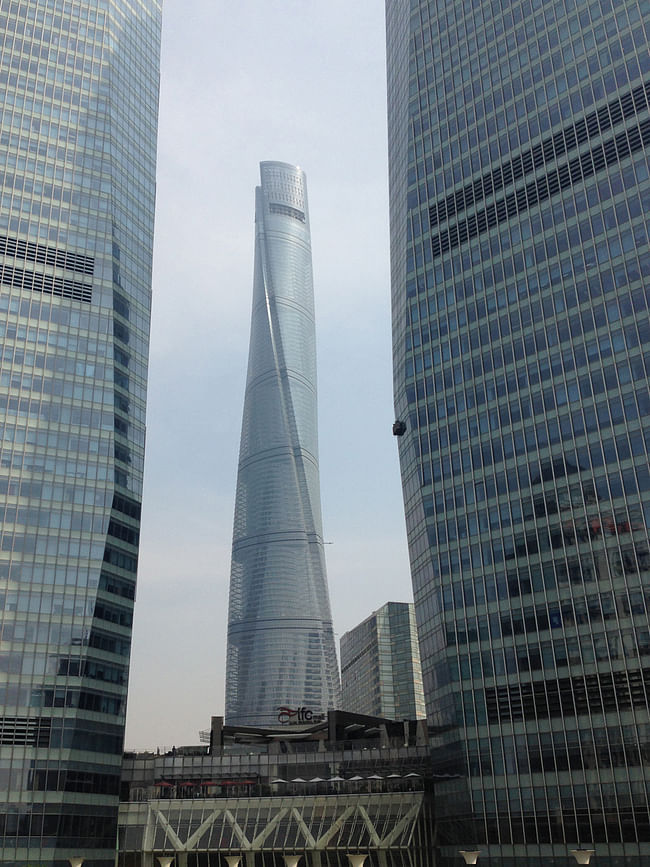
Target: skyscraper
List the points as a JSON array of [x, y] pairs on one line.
[[79, 92], [520, 189], [380, 665], [281, 652]]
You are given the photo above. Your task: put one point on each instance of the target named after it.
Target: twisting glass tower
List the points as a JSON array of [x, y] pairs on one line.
[[78, 108], [520, 193], [281, 653]]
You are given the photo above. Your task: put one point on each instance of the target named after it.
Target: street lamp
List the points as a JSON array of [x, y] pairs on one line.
[[583, 856], [470, 857]]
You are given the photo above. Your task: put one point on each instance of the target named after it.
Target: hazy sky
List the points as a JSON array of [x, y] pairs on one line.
[[302, 82]]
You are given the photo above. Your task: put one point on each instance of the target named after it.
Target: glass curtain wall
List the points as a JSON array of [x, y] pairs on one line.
[[78, 102], [281, 663], [380, 665], [520, 193]]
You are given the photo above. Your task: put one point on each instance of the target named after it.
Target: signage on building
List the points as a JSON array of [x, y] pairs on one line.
[[298, 715]]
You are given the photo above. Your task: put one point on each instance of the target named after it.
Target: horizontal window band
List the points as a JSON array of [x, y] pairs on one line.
[[576, 170], [287, 211], [46, 255], [45, 283], [570, 696], [563, 142], [25, 731], [252, 628], [126, 506]]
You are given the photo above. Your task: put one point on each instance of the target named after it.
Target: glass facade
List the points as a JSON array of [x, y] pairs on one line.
[[78, 101], [281, 653], [520, 194], [380, 665]]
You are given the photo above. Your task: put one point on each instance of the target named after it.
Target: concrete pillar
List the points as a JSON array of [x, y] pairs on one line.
[[357, 860], [181, 859], [315, 858], [292, 860], [249, 857], [165, 860], [232, 860]]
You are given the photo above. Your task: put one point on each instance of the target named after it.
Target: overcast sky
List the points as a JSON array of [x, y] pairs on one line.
[[303, 82]]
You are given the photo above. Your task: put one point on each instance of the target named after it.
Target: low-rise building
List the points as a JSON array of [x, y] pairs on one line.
[[322, 790]]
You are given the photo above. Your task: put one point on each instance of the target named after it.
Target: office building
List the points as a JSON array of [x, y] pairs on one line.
[[281, 656], [317, 793], [79, 93], [380, 665], [519, 184]]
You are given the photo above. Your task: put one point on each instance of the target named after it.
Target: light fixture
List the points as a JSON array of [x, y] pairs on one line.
[[583, 856], [76, 862], [470, 856]]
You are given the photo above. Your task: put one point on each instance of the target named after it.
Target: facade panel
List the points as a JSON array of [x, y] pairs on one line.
[[78, 97], [281, 650], [520, 188]]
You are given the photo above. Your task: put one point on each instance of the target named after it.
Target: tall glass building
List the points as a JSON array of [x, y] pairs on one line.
[[78, 103], [520, 194], [281, 662], [380, 665]]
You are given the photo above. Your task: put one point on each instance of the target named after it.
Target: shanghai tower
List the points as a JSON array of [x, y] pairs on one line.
[[281, 653]]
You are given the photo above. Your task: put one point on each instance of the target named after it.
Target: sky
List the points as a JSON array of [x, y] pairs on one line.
[[301, 82]]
